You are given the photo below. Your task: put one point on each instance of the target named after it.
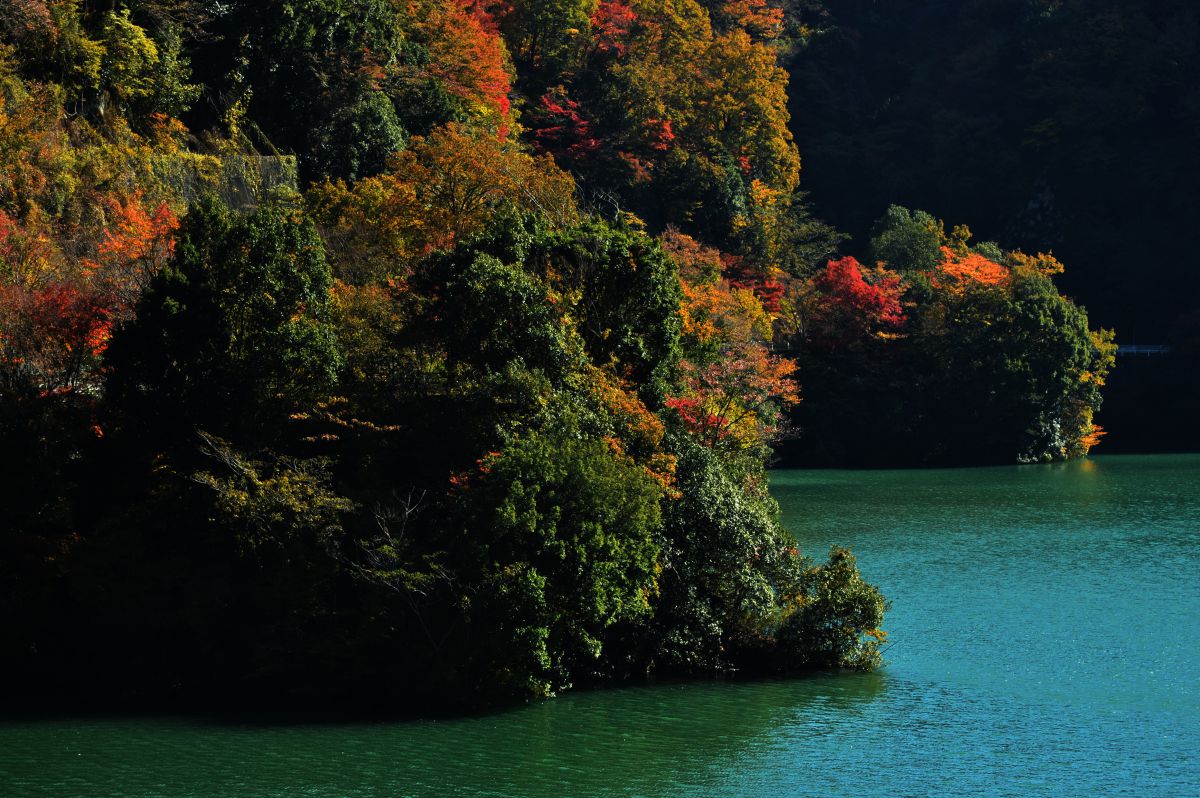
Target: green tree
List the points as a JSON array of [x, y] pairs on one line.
[[728, 567], [837, 619], [624, 295], [233, 334], [907, 240], [1017, 370], [492, 315], [325, 62], [547, 35], [357, 138], [568, 533]]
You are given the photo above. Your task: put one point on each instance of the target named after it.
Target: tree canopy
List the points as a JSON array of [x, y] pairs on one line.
[[434, 351]]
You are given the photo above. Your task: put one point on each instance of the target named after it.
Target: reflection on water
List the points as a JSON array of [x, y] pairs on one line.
[[677, 739], [1042, 627]]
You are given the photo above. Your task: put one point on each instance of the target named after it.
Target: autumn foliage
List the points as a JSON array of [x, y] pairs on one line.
[[56, 313], [468, 56], [852, 303], [612, 22], [734, 387], [950, 352], [397, 349], [443, 188], [958, 272], [564, 130]]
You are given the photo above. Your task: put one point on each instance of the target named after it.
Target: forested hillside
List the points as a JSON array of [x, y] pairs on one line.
[[433, 351]]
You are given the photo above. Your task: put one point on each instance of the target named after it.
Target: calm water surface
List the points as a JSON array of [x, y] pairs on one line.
[[1044, 629]]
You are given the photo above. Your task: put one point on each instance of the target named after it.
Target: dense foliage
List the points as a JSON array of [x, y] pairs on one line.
[[433, 350], [945, 352]]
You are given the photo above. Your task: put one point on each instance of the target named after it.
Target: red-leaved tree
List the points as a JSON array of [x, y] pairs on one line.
[[848, 306]]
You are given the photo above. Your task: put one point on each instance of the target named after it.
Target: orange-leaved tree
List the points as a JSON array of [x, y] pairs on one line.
[[467, 54], [732, 386], [959, 271], [442, 189]]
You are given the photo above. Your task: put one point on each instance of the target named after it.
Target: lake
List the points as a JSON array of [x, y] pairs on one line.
[[1042, 644]]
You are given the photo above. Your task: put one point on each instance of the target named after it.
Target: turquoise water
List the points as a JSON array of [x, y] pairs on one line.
[[1043, 636]]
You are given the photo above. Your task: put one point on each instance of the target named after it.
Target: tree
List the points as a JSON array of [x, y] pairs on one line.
[[468, 56], [357, 138], [623, 294], [736, 591], [850, 308], [444, 188], [967, 354], [732, 387], [233, 334], [569, 537], [337, 64], [734, 400], [907, 240], [960, 272], [493, 315], [836, 619], [1020, 366], [546, 35]]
